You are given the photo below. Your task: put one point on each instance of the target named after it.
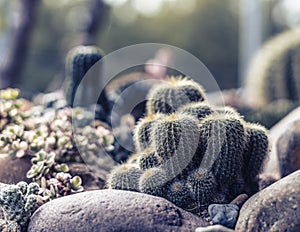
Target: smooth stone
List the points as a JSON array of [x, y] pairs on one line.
[[214, 228], [288, 149], [275, 208], [271, 167], [240, 200], [14, 170], [224, 214], [112, 210]]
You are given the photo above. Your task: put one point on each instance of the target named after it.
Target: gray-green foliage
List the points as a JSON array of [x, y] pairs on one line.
[[17, 203]]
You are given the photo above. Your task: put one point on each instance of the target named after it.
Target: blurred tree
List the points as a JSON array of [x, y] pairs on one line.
[[97, 10], [20, 31]]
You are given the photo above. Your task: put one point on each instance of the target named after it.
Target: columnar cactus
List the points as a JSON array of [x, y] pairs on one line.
[[194, 154], [79, 60], [223, 141], [274, 73], [175, 140], [172, 94], [255, 154], [18, 203]]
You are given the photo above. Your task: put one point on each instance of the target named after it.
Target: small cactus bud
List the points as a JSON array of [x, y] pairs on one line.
[[202, 184], [153, 182], [124, 177]]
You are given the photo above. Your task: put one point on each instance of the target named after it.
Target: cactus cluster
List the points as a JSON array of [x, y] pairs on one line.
[[189, 152], [274, 73], [17, 203]]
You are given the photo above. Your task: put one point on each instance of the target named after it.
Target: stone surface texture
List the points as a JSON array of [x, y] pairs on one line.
[[112, 210], [275, 208]]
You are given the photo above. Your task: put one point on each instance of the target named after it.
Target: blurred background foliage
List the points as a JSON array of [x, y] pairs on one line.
[[209, 29]]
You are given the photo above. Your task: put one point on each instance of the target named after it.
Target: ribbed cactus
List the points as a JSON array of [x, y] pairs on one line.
[[142, 132], [18, 203], [124, 176], [255, 154], [275, 73], [175, 140], [197, 109], [172, 94], [178, 192], [149, 159], [79, 60], [153, 181], [223, 143], [202, 185]]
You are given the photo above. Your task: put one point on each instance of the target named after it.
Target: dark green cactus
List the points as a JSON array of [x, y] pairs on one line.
[[153, 181], [197, 109], [142, 132], [175, 140], [255, 154], [125, 177], [202, 185], [178, 192], [195, 155], [275, 73], [172, 94], [79, 60], [149, 159], [223, 142]]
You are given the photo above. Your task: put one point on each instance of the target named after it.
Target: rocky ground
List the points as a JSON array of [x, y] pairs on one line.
[[275, 208]]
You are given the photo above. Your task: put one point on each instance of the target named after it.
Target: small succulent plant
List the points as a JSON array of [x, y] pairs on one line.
[[17, 203], [191, 153], [62, 184], [47, 136]]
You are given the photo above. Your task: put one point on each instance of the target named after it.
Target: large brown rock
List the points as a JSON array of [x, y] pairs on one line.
[[14, 170], [288, 149], [112, 210], [272, 166], [275, 208]]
